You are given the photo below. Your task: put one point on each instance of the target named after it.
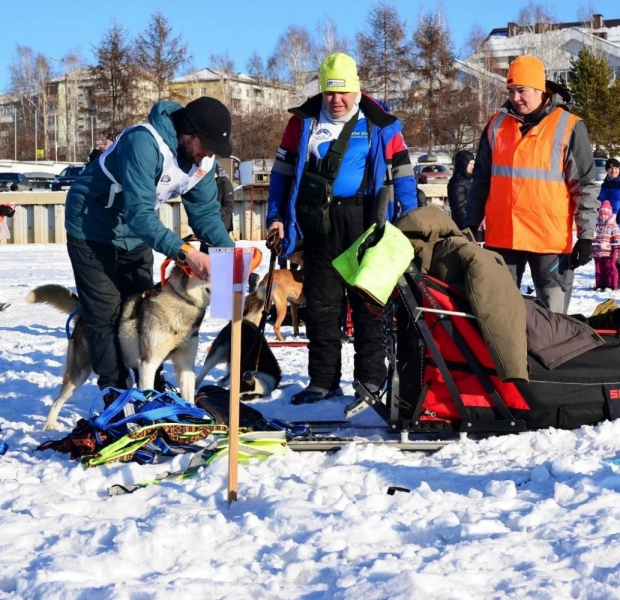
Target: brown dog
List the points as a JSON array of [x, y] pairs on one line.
[[287, 287]]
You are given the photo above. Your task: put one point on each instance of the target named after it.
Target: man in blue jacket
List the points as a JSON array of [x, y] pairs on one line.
[[339, 148], [112, 224]]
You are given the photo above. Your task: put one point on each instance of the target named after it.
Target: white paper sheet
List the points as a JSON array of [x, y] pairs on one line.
[[222, 263]]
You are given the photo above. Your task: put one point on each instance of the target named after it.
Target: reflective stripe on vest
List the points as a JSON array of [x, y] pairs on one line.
[[173, 181], [529, 205]]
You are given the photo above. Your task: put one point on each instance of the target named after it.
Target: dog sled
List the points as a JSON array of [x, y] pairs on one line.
[[443, 384], [443, 378], [448, 375]]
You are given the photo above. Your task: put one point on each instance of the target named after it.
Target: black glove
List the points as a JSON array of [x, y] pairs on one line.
[[582, 253], [6, 210]]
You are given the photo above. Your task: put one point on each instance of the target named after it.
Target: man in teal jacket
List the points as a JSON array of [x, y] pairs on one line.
[[112, 224]]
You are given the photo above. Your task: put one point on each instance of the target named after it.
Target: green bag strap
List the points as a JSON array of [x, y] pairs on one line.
[[255, 444], [124, 448]]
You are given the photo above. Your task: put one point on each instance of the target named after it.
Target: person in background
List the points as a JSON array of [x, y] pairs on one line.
[[533, 179], [610, 188], [338, 150], [421, 196], [225, 196], [606, 247], [459, 185], [112, 224], [6, 211], [95, 153]]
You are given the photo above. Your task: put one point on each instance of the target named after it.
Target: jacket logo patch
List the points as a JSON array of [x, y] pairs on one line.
[[165, 179], [612, 396], [336, 82]]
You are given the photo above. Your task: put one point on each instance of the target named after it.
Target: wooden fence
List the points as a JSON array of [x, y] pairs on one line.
[[40, 216]]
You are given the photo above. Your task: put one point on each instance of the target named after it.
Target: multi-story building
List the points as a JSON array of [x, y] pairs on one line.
[[70, 116], [556, 44], [240, 92]]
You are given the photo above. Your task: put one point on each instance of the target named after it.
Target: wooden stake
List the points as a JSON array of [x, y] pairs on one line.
[[235, 382]]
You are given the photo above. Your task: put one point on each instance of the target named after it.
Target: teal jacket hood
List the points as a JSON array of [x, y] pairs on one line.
[[160, 117]]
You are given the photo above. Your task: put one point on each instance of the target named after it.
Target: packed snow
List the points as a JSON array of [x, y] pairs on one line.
[[535, 515]]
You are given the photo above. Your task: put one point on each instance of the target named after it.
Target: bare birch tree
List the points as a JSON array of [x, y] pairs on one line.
[[328, 41], [30, 75], [293, 58], [539, 35], [255, 66]]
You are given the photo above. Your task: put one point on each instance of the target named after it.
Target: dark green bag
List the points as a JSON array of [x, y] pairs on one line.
[[315, 196]]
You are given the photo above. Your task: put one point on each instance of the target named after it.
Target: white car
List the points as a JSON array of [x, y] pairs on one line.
[[601, 173]]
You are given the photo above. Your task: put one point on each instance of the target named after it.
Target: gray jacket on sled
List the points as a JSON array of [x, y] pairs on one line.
[[509, 326]]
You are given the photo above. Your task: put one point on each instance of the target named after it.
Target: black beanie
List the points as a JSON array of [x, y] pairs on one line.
[[210, 119], [612, 162]]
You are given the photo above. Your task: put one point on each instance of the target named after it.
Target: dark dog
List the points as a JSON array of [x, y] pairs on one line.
[[260, 371]]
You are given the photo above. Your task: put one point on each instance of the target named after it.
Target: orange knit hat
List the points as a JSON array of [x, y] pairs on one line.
[[527, 71]]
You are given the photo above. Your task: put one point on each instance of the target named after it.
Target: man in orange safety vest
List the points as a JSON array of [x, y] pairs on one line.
[[533, 179]]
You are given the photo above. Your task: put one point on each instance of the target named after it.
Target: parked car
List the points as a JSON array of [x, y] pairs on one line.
[[67, 176], [14, 182], [40, 180], [601, 173], [429, 170]]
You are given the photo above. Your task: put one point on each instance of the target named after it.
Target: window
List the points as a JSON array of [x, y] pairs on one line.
[[190, 92], [203, 91]]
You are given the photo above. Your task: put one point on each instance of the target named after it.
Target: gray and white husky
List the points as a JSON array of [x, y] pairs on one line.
[[152, 328]]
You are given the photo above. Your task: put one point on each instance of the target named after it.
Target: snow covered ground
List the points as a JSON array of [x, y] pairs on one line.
[[535, 515]]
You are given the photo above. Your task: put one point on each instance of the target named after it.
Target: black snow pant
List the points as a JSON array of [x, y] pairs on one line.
[[325, 296], [104, 276], [551, 274]]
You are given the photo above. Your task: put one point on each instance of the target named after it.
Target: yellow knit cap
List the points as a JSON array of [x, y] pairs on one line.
[[338, 73], [527, 71]]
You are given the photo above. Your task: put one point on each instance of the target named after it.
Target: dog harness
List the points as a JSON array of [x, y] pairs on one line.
[[173, 182]]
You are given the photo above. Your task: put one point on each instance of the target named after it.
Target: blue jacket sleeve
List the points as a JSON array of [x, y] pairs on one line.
[[283, 172], [405, 193], [279, 184]]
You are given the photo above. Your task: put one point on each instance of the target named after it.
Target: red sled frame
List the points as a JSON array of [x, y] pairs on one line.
[[422, 307]]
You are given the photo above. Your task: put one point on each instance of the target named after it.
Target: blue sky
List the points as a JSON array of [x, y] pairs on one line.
[[53, 27]]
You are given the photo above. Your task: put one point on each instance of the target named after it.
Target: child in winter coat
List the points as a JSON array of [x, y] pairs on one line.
[[606, 247]]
